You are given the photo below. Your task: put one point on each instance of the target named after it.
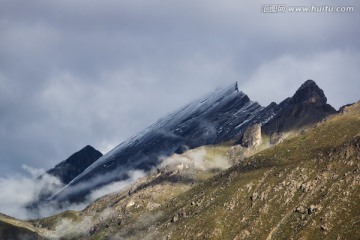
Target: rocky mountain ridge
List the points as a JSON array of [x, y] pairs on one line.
[[303, 188], [221, 116]]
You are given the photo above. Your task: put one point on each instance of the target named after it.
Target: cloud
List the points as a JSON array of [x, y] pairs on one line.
[[201, 158], [116, 186], [67, 226], [34, 172], [19, 191], [81, 72]]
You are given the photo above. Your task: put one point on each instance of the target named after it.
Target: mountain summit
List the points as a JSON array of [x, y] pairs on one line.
[[70, 168], [309, 92]]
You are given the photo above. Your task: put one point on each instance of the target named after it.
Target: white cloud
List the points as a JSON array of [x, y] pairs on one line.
[[19, 191], [196, 159], [116, 186]]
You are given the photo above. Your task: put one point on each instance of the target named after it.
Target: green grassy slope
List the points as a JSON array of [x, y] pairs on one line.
[[10, 228], [305, 188], [9, 231]]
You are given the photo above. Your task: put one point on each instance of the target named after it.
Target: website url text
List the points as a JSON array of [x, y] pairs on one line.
[[281, 8]]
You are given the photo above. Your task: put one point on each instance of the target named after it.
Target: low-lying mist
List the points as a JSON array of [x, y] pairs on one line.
[[197, 159], [20, 191]]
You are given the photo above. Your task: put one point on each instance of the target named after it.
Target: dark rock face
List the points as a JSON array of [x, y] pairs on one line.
[[70, 168], [307, 106], [309, 92]]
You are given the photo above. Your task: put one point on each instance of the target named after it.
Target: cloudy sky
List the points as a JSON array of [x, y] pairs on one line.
[[78, 72]]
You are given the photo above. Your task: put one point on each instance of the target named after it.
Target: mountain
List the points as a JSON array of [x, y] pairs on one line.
[[70, 168], [220, 117], [306, 187]]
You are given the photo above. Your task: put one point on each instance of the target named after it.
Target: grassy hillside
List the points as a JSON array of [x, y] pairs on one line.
[[305, 188], [11, 228]]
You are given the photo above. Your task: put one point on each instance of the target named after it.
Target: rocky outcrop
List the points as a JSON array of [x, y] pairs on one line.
[[252, 136], [346, 107]]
